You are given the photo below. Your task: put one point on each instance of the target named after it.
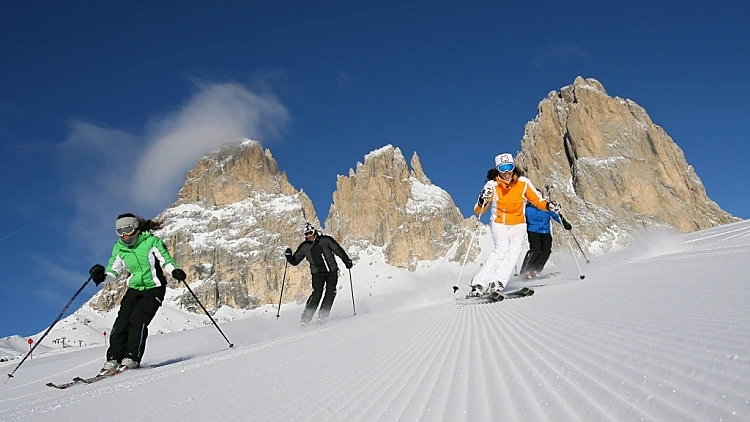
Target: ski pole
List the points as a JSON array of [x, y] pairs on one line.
[[473, 234], [572, 252], [283, 279], [351, 285], [562, 219], [209, 315], [580, 248], [49, 329]]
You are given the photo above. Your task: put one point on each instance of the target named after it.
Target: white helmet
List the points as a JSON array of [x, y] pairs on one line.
[[308, 228]]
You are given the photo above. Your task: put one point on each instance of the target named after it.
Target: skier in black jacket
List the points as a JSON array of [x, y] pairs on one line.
[[319, 250]]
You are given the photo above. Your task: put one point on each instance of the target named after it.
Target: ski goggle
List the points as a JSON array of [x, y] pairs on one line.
[[504, 168], [126, 230], [308, 234]]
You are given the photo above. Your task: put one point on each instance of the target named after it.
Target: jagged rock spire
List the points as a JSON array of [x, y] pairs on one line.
[[383, 203]]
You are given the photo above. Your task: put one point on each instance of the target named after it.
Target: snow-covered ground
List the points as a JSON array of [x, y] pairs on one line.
[[659, 331]]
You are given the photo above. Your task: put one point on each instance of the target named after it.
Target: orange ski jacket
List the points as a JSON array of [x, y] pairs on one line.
[[508, 203]]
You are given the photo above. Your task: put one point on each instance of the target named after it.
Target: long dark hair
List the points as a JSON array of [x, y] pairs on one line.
[[143, 224]]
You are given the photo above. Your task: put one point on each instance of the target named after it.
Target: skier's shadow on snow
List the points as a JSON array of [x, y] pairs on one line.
[[169, 361]]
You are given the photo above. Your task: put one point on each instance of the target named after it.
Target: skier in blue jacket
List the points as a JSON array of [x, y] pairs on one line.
[[540, 239]]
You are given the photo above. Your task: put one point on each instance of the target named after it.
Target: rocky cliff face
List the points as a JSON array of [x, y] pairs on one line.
[[611, 167], [383, 203], [228, 229]]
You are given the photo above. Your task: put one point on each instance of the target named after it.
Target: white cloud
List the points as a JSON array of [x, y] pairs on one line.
[[215, 114], [109, 171], [342, 79]]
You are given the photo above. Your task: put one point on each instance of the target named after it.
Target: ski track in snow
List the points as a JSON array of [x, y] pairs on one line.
[[511, 360], [627, 343]]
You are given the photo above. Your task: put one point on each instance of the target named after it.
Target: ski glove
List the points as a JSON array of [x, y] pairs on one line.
[[179, 274], [348, 264], [566, 225], [288, 255], [484, 196], [97, 274], [553, 206]]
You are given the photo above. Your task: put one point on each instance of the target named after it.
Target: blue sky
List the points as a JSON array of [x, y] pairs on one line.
[[103, 109]]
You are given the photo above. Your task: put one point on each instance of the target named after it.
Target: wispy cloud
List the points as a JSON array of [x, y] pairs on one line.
[[8, 236], [110, 171], [557, 52], [215, 114], [54, 280], [342, 80]]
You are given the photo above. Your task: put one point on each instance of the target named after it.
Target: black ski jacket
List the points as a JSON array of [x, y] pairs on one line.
[[319, 253]]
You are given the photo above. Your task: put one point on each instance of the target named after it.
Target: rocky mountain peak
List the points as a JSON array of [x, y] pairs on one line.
[[611, 167], [384, 203], [416, 170], [235, 171]]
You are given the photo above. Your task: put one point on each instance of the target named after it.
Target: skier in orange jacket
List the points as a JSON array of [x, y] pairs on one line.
[[505, 194]]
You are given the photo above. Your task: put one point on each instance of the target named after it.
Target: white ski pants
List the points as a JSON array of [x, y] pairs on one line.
[[498, 267]]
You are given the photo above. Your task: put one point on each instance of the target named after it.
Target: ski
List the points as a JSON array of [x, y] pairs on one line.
[[472, 300], [513, 294], [81, 380], [77, 381], [495, 297], [61, 386], [94, 379]]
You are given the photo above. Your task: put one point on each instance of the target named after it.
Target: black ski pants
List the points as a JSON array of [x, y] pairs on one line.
[[540, 248], [137, 309], [321, 282]]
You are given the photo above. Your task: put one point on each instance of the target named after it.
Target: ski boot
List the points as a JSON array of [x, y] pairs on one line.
[[497, 291], [127, 364], [477, 290], [109, 368]]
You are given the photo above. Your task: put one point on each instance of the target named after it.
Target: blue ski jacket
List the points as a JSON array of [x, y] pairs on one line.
[[537, 220]]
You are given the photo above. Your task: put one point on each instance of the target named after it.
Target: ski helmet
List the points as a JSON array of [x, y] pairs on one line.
[[504, 163], [307, 229]]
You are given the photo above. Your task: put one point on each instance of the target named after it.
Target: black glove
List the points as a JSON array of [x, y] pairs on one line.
[[553, 206], [288, 255], [566, 225], [348, 264], [179, 275], [97, 274]]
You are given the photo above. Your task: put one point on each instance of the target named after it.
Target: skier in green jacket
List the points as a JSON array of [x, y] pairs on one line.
[[144, 256]]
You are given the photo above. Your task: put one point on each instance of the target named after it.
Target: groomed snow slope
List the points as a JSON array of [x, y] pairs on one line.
[[660, 331]]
